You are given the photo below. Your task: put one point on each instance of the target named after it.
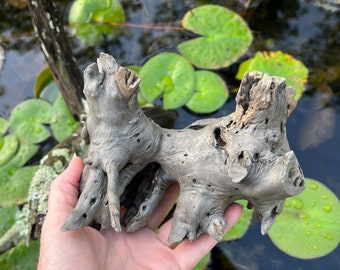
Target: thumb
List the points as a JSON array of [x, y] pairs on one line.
[[64, 192]]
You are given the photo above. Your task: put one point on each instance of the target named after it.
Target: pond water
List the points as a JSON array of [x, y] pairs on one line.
[[304, 29]]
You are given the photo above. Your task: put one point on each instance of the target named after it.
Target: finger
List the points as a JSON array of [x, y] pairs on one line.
[[164, 206], [64, 190], [190, 253]]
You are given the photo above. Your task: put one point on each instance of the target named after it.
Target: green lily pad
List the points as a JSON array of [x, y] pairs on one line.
[[21, 257], [65, 124], [278, 64], [4, 124], [25, 152], [27, 119], [7, 218], [211, 93], [203, 263], [242, 225], [168, 75], [309, 225], [91, 19], [9, 146], [14, 189], [225, 37]]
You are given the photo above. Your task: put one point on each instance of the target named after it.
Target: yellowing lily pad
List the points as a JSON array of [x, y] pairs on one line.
[[65, 124], [225, 37], [170, 76], [278, 64], [309, 225], [211, 93], [91, 17]]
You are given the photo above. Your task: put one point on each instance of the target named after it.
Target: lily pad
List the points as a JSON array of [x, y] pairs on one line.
[[25, 152], [242, 225], [65, 124], [9, 146], [4, 124], [15, 189], [225, 37], [168, 75], [27, 119], [309, 225], [7, 218], [21, 257], [211, 93], [91, 19], [278, 64]]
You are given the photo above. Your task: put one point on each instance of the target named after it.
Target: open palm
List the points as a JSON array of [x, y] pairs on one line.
[[88, 248]]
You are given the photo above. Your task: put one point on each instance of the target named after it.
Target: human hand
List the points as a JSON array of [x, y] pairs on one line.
[[88, 248]]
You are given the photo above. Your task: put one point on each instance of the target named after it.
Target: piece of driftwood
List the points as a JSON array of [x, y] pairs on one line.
[[244, 155]]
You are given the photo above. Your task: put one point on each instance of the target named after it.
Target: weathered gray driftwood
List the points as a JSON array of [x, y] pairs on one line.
[[215, 161]]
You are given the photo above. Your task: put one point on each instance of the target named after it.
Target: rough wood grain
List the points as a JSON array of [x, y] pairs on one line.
[[244, 155]]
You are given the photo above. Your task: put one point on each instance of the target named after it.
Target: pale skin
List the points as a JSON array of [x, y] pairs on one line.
[[88, 248]]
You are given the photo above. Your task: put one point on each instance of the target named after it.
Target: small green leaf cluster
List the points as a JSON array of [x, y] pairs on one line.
[[93, 19], [31, 123], [223, 39]]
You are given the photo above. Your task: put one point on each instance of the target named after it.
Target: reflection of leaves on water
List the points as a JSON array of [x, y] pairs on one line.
[[2, 57], [319, 126]]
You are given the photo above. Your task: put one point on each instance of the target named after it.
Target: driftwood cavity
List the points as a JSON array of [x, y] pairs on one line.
[[244, 155]]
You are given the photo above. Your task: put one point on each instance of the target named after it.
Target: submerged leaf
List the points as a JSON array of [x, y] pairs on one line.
[[211, 93], [225, 37], [44, 78], [309, 225], [168, 75], [90, 19], [278, 64]]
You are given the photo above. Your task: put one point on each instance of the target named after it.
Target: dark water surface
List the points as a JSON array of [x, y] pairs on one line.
[[308, 32]]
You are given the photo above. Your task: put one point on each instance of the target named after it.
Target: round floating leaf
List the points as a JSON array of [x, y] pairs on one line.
[[65, 124], [4, 124], [21, 257], [242, 225], [25, 152], [9, 146], [89, 18], [14, 189], [278, 64], [168, 75], [225, 37], [26, 119], [309, 225], [7, 218], [211, 93]]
